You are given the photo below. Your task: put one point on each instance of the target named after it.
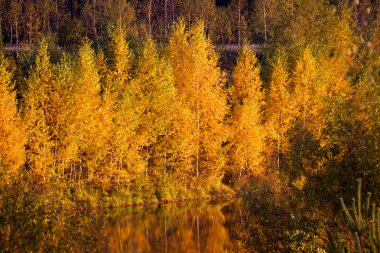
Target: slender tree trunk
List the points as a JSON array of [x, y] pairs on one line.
[[1, 33], [265, 26], [173, 11], [94, 19], [119, 5], [56, 15], [80, 168], [239, 21], [11, 42], [198, 237], [230, 45], [48, 18], [30, 28], [44, 17], [278, 143], [147, 161], [166, 236], [101, 19], [63, 169], [55, 152], [150, 16], [165, 157], [165, 152], [245, 166], [304, 113], [198, 125], [304, 125], [71, 173], [166, 18], [16, 30]]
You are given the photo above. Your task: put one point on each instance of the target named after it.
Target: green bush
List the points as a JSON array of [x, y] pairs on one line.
[[363, 223]]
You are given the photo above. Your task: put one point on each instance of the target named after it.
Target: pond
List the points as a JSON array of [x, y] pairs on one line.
[[232, 225]]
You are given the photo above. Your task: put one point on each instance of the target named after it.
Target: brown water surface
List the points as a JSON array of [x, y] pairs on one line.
[[200, 226]]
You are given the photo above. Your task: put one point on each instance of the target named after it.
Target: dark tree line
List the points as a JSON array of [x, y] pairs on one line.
[[67, 21]]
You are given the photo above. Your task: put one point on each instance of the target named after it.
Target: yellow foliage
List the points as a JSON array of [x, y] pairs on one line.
[[309, 93], [40, 116], [280, 110], [199, 83], [300, 182], [12, 135], [248, 134], [121, 61], [246, 77]]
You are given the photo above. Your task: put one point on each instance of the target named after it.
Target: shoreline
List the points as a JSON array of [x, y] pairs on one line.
[[152, 203]]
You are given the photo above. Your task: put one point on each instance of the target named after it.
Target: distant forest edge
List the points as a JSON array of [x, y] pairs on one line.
[[261, 21], [127, 101]]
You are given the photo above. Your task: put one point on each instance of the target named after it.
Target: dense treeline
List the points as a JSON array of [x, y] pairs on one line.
[[67, 21], [23, 22], [151, 119]]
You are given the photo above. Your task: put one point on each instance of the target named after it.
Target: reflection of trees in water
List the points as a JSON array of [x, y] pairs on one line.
[[190, 227], [170, 228], [262, 225], [266, 225], [36, 229]]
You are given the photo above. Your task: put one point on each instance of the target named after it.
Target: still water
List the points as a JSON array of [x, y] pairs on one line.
[[200, 226]]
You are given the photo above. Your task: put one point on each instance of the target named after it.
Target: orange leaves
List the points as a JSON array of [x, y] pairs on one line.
[[12, 135], [247, 130], [199, 82], [309, 93], [280, 108], [40, 117], [246, 77], [121, 60]]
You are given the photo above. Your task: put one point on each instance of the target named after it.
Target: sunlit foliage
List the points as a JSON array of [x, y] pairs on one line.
[[12, 132], [199, 82], [148, 109], [248, 132]]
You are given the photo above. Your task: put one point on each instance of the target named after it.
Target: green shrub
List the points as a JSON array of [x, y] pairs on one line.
[[363, 223]]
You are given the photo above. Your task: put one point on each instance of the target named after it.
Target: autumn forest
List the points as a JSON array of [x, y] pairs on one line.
[[104, 103]]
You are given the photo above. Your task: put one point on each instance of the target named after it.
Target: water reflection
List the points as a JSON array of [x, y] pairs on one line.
[[227, 226], [191, 227]]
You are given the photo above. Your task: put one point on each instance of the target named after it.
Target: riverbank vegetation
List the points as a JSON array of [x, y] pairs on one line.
[[138, 108]]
